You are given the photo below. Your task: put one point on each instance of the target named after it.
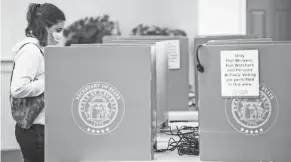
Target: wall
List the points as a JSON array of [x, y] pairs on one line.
[[223, 17], [129, 13]]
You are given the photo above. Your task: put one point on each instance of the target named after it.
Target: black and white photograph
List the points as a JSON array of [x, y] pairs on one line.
[[145, 80]]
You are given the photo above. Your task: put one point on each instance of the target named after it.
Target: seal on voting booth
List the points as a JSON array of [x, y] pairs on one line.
[[253, 116], [98, 108]]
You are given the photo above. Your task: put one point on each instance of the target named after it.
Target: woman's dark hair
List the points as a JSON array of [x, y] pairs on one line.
[[39, 18]]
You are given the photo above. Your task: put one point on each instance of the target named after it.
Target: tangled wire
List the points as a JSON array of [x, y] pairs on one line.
[[188, 143]]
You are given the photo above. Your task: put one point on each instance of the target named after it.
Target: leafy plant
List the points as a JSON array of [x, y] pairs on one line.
[[142, 29], [90, 30]]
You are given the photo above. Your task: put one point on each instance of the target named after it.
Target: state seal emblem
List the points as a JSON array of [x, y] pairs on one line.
[[98, 108], [253, 116]]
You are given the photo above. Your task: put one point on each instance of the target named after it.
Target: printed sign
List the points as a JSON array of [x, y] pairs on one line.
[[98, 108], [253, 116], [239, 73], [173, 50]]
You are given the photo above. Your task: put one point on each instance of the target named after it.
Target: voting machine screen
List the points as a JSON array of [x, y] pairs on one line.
[[244, 103]]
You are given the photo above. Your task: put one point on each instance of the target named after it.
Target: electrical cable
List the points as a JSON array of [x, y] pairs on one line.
[[188, 143], [199, 67]]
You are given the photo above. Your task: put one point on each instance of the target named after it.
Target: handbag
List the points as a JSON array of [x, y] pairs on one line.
[[25, 110]]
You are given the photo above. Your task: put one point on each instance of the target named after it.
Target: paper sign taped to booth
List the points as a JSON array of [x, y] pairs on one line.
[[239, 73], [173, 50]]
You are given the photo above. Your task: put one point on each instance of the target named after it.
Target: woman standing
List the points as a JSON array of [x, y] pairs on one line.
[[45, 26]]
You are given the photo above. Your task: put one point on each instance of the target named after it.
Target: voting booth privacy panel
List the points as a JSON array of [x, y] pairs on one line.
[[160, 70], [243, 96], [178, 67], [99, 103], [162, 75], [199, 40]]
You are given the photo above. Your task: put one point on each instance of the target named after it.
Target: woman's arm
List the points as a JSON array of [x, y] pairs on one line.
[[26, 67]]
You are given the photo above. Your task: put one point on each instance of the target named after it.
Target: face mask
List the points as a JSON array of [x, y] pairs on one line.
[[55, 38]]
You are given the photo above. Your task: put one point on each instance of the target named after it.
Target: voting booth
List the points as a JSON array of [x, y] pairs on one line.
[[199, 40], [178, 66], [244, 102], [93, 97], [160, 69]]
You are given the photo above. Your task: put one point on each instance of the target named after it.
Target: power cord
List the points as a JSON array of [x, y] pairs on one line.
[[188, 143]]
